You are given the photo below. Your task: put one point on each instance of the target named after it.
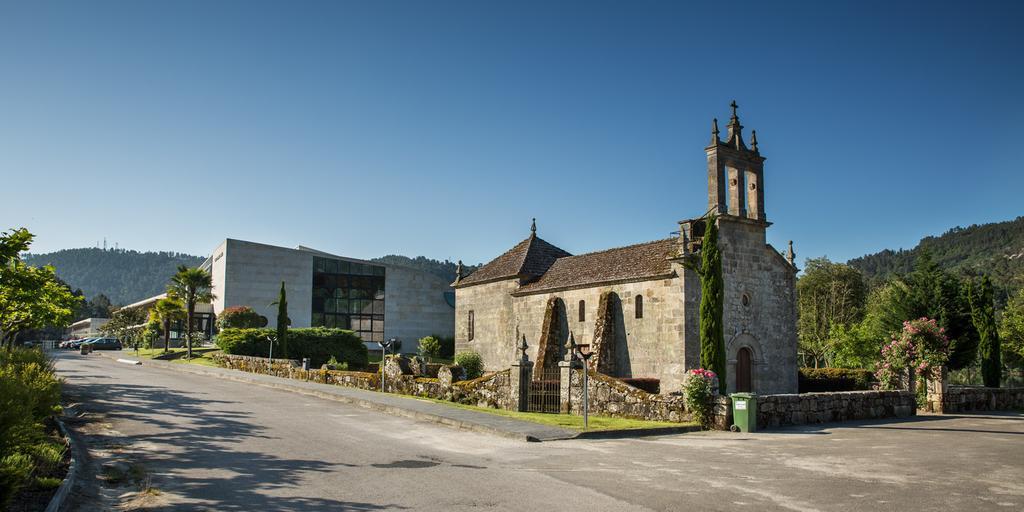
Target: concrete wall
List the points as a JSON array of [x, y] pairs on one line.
[[252, 277], [415, 307], [766, 323]]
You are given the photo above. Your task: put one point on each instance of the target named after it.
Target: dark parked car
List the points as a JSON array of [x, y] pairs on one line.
[[105, 344], [74, 344]]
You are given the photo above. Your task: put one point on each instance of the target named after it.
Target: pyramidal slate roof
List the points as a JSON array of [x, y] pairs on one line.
[[528, 260], [647, 260]]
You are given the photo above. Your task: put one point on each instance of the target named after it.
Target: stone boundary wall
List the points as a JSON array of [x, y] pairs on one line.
[[611, 397], [976, 398], [490, 390], [811, 408]]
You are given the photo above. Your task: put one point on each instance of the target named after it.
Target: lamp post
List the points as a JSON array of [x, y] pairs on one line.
[[383, 360], [271, 341], [584, 352]]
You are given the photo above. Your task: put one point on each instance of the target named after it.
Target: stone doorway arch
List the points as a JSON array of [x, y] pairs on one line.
[[744, 345]]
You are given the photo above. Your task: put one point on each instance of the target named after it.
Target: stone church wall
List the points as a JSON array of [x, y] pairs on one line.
[[651, 346], [765, 320], [494, 335]]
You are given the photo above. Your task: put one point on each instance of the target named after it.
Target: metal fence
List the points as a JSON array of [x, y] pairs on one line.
[[543, 391]]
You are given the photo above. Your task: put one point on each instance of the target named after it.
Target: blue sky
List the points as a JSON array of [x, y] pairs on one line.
[[442, 128]]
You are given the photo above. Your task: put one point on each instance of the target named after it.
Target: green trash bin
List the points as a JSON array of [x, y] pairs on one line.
[[744, 412]]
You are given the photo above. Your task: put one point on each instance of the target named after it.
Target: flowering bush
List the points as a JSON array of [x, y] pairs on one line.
[[699, 389], [921, 345]]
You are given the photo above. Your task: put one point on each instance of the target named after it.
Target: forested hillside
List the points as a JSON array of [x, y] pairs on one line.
[[995, 249], [443, 269], [122, 275]]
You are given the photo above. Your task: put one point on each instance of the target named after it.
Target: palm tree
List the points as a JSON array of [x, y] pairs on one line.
[[167, 310], [191, 285]]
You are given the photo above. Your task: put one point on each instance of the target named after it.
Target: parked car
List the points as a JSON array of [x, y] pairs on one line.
[[74, 344], [105, 344]]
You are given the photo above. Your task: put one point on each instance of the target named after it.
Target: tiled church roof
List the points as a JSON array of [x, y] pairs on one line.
[[640, 261], [528, 259]]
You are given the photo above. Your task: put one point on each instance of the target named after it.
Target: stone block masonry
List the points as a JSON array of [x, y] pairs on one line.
[[812, 408]]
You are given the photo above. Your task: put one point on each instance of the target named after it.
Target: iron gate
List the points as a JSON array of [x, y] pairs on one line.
[[543, 391]]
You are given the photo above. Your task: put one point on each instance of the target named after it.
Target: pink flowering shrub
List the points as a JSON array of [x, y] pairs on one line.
[[921, 345], [699, 389]]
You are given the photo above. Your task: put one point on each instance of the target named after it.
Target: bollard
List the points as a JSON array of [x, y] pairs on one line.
[[305, 364]]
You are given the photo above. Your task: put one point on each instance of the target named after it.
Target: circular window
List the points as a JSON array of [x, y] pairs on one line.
[[733, 182], [753, 186], [746, 300]]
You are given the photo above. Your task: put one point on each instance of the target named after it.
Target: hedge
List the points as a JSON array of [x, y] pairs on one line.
[[316, 343], [816, 380]]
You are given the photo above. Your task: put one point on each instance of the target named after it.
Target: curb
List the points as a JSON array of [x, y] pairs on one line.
[[60, 497], [635, 432]]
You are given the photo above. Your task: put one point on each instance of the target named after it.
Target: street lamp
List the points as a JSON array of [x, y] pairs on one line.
[[584, 353], [384, 345]]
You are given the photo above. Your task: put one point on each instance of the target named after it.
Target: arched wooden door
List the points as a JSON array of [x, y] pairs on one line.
[[744, 377]]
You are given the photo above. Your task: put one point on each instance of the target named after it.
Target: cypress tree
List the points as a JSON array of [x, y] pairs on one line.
[[712, 302], [282, 322], [984, 316]]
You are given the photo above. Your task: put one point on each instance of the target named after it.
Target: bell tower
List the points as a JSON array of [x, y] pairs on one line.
[[736, 170]]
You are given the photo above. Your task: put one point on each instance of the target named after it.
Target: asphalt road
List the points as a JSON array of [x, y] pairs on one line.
[[202, 443]]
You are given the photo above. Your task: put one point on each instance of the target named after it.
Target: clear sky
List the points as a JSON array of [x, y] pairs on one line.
[[441, 128]]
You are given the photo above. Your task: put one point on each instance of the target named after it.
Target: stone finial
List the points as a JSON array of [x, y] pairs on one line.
[[714, 132], [753, 140], [735, 128], [790, 255], [522, 348], [570, 348], [684, 239], [458, 271], [533, 227]]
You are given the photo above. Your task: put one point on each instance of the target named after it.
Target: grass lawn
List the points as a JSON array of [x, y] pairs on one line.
[[177, 355], [597, 423]]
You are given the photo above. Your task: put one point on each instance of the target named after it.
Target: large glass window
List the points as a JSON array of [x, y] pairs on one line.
[[349, 295]]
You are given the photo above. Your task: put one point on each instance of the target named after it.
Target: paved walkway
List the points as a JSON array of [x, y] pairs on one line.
[[385, 402]]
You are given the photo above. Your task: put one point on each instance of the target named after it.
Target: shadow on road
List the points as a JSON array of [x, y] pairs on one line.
[[211, 440]]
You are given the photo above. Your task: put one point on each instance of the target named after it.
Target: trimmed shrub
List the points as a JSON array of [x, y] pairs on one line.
[[471, 362], [818, 380], [319, 344], [240, 317]]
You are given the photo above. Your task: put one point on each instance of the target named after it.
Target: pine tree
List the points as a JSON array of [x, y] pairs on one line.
[[712, 303], [984, 316], [283, 322]]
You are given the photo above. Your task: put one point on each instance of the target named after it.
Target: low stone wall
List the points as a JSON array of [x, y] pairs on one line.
[[810, 408], [976, 398], [612, 397], [491, 390]]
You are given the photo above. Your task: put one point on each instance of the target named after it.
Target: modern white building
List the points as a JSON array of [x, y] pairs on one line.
[[87, 328], [377, 301]]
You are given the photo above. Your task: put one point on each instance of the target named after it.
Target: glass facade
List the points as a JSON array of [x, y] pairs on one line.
[[349, 295]]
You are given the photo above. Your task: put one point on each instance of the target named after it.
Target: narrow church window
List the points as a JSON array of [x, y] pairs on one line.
[[583, 311], [638, 305], [746, 299], [469, 326]]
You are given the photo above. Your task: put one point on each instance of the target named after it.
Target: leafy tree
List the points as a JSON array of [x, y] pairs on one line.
[[983, 313], [191, 286], [830, 299], [30, 297], [430, 347], [242, 317], [712, 303], [127, 325], [167, 311], [282, 322], [935, 293], [1011, 331]]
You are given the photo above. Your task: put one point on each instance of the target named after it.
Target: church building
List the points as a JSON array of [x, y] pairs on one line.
[[637, 307]]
